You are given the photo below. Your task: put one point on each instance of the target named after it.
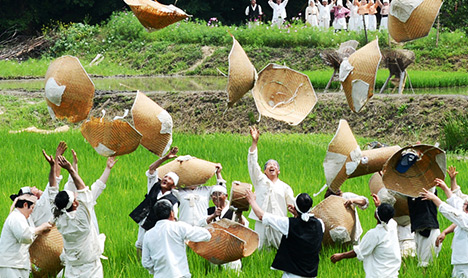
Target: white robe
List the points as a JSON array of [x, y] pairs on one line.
[[324, 15], [311, 16], [279, 12]]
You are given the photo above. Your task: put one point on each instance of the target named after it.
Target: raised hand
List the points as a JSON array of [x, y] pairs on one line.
[[64, 163], [61, 148], [452, 172], [111, 162], [254, 133], [376, 200], [49, 158], [75, 160], [172, 153]]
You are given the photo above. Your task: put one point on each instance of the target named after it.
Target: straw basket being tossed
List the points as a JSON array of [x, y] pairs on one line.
[[339, 220], [192, 171], [230, 241], [410, 179], [154, 15], [358, 73], [238, 199], [398, 201], [412, 19], [242, 73], [284, 94], [69, 91], [111, 138], [154, 123], [45, 254]]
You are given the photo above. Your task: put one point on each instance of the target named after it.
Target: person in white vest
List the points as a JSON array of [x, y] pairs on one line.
[[273, 195], [279, 12]]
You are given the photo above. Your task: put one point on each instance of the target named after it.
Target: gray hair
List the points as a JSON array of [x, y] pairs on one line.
[[273, 161], [163, 209]]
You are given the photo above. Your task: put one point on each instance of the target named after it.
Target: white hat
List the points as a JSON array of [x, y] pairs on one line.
[[219, 188], [339, 3], [385, 1], [174, 177]]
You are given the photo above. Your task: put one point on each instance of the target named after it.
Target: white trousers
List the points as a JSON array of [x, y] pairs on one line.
[[460, 271], [425, 247]]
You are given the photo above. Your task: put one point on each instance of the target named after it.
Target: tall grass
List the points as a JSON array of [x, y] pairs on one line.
[[300, 156]]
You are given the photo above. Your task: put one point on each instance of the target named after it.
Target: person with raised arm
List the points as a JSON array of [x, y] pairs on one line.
[[340, 14], [157, 189], [378, 249], [273, 195], [384, 10], [324, 13], [72, 211], [454, 209], [301, 241], [279, 12], [353, 24]]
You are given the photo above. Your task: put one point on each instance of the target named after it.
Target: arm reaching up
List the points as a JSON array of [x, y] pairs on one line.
[[61, 148], [155, 165], [50, 159], [255, 134], [109, 165], [64, 163]]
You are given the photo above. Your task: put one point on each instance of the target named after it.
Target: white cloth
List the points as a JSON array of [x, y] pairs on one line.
[[14, 272], [311, 16], [194, 202], [425, 247], [17, 236], [383, 23], [324, 15], [353, 24], [164, 248], [339, 23], [279, 12], [82, 246], [460, 194], [380, 252], [357, 224], [272, 197], [203, 223], [371, 24], [151, 180], [453, 211], [406, 240], [460, 271], [42, 210]]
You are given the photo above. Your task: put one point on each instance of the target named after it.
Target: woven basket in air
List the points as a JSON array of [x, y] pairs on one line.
[[230, 241], [430, 165], [284, 94], [419, 23], [45, 254], [111, 138], [242, 73], [334, 214], [401, 205], [147, 116], [154, 15], [365, 61], [238, 199], [192, 171], [76, 101], [373, 160]]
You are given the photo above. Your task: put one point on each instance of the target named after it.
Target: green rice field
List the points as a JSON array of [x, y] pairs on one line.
[[300, 157]]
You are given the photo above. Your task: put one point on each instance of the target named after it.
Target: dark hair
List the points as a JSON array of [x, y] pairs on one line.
[[270, 160], [61, 201], [20, 192], [304, 202], [20, 203], [162, 209], [385, 212], [329, 192]]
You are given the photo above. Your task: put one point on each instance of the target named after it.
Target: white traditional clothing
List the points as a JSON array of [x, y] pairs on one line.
[[357, 223], [453, 211], [353, 24], [460, 194], [82, 247], [380, 252], [425, 247], [372, 23], [164, 248], [324, 15], [42, 210], [194, 202], [384, 17], [272, 197], [17, 236], [279, 12], [311, 16], [406, 240], [151, 180]]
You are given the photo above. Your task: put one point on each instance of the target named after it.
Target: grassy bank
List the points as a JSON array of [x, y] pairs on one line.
[[301, 158]]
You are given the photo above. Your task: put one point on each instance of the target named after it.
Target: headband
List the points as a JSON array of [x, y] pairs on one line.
[[71, 199], [384, 224], [304, 215], [26, 190]]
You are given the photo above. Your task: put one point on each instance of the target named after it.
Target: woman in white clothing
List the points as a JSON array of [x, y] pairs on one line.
[[324, 13], [279, 12], [311, 14], [353, 24]]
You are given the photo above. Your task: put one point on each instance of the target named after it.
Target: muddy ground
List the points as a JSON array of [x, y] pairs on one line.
[[391, 119]]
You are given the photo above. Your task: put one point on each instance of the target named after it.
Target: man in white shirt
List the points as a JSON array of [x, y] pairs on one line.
[[156, 189], [194, 200], [378, 249], [455, 210], [279, 12], [17, 235], [273, 195], [164, 248]]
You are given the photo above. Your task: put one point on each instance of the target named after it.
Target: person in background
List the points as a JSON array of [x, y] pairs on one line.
[[455, 210], [340, 14], [301, 241], [372, 8], [253, 12], [157, 189], [273, 195], [311, 14], [379, 249], [194, 200], [363, 12], [353, 24], [164, 248], [384, 10], [279, 12], [17, 235], [324, 13]]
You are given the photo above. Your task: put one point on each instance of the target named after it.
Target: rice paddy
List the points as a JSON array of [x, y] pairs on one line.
[[300, 157]]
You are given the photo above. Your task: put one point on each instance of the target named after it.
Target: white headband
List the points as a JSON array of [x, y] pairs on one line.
[[71, 199], [304, 215], [26, 190], [174, 177], [219, 188]]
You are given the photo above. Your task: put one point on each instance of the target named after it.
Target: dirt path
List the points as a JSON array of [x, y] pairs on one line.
[[207, 51]]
